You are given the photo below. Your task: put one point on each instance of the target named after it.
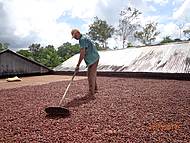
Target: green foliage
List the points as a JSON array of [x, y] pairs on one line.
[[67, 50], [148, 34], [35, 49], [25, 53], [166, 39], [128, 23], [3, 46], [129, 45], [47, 56], [100, 31], [187, 33], [99, 47]]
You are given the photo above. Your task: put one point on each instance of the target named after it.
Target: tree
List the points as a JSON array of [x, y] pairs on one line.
[[3, 46], [25, 53], [35, 50], [100, 31], [180, 27], [187, 33], [148, 33], [129, 45], [49, 57], [67, 50], [128, 23], [99, 47], [166, 39]]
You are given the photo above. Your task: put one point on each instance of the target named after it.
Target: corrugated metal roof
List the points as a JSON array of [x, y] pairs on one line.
[[12, 63], [23, 57], [169, 58]]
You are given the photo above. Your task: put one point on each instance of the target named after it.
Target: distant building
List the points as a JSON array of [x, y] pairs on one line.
[[168, 58], [12, 63]]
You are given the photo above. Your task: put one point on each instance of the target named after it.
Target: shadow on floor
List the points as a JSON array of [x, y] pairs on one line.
[[56, 117], [80, 101]]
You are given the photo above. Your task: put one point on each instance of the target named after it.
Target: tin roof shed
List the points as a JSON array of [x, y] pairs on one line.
[[168, 58], [12, 63]]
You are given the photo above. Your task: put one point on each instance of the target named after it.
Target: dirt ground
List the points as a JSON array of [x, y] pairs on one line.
[[36, 80], [125, 110]]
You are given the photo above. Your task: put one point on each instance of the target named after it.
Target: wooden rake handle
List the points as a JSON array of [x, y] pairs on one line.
[[63, 97]]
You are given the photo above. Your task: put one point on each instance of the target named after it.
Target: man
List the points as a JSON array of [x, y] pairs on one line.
[[89, 53]]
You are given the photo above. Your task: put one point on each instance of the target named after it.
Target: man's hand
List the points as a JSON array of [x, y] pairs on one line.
[[77, 69]]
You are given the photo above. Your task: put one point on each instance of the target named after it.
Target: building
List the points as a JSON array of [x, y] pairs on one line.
[[169, 59], [12, 63]]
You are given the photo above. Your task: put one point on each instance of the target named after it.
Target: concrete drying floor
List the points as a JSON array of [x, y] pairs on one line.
[[125, 110], [36, 80]]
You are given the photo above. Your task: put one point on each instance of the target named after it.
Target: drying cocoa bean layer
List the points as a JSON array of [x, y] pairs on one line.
[[125, 110]]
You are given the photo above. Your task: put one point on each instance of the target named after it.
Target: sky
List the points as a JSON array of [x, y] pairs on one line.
[[49, 22]]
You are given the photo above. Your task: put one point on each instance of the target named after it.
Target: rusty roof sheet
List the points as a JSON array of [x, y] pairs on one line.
[[169, 58]]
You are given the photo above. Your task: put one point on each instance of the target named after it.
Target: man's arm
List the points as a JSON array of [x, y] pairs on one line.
[[82, 54]]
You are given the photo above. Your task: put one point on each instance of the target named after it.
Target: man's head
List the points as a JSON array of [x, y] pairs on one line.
[[75, 34]]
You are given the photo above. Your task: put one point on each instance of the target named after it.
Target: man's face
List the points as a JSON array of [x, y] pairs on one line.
[[76, 35]]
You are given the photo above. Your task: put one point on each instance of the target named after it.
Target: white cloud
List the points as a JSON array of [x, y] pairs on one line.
[[183, 11], [169, 29], [147, 19], [39, 16], [83, 9], [24, 22], [161, 2]]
